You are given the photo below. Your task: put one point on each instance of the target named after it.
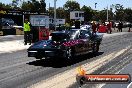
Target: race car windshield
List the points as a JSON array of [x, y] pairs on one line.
[[59, 36], [72, 33]]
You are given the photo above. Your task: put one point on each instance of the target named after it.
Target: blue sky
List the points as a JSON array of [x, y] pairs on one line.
[[101, 4]]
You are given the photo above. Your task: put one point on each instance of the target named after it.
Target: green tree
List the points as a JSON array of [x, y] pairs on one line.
[[34, 5], [119, 11], [111, 13], [43, 6], [26, 5], [14, 3], [5, 6], [51, 12], [103, 15], [60, 13], [128, 14], [67, 16], [88, 13], [71, 6], [95, 15]]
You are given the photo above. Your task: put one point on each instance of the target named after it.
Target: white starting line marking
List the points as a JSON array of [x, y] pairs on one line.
[[67, 78]]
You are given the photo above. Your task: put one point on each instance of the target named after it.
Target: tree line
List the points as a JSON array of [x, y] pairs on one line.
[[116, 12]]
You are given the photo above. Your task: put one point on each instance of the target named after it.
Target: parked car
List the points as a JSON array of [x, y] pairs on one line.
[[127, 24], [9, 27], [66, 44], [7, 23]]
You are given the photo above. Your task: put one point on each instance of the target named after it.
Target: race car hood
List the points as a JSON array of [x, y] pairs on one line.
[[45, 44]]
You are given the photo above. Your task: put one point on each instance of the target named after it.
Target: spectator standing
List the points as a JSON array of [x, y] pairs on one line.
[[94, 27], [27, 32], [109, 25], [98, 26], [130, 25]]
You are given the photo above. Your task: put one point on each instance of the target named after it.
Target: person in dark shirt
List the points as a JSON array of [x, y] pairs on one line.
[[120, 26], [94, 27], [109, 25]]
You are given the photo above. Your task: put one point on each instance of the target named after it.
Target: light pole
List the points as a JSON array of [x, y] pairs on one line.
[[55, 13], [95, 5], [95, 18]]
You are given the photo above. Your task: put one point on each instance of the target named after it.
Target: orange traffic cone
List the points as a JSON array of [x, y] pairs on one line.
[[81, 71]]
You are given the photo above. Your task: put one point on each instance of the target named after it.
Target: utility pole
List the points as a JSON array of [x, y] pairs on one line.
[[55, 13], [107, 14], [49, 6]]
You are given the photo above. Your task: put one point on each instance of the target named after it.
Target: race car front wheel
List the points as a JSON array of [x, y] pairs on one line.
[[95, 48], [69, 53], [38, 57]]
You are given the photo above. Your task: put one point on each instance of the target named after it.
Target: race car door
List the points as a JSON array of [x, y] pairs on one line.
[[85, 37], [79, 47]]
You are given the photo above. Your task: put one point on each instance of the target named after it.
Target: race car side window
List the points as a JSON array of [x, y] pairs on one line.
[[76, 36], [84, 34]]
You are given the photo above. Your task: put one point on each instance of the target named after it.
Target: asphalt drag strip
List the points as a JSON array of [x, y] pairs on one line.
[[68, 79]]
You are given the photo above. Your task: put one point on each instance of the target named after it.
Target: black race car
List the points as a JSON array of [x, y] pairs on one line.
[[66, 44]]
